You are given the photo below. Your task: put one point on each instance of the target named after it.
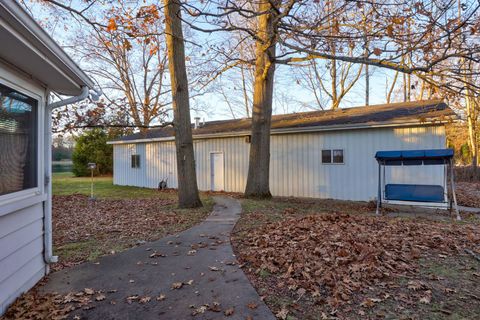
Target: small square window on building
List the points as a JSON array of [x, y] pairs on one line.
[[326, 156], [135, 161], [332, 156], [337, 156]]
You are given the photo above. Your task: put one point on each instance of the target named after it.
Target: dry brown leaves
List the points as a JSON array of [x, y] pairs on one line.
[[468, 194], [75, 218], [114, 223], [332, 256], [35, 305]]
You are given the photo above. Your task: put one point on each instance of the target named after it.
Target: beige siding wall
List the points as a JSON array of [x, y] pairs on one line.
[[296, 168]]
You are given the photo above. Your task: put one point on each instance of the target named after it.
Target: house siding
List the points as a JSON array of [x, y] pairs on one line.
[[295, 162], [21, 255], [22, 214]]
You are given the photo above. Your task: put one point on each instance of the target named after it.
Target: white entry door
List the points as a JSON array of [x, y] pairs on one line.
[[217, 171]]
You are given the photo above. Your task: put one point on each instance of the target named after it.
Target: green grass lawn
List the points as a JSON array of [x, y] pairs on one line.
[[64, 183]]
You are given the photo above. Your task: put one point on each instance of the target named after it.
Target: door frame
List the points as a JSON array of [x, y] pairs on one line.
[[212, 171]]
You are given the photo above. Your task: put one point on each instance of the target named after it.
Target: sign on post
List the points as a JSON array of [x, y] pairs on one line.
[[92, 166]]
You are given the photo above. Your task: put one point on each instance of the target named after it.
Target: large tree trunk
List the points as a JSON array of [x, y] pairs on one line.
[[259, 163], [472, 127], [187, 178]]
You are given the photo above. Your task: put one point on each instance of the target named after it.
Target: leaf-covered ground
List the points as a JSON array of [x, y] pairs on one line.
[[328, 259], [468, 194], [121, 217], [84, 229], [36, 306]]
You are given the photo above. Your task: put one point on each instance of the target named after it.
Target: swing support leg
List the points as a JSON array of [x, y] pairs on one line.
[[453, 190], [379, 196]]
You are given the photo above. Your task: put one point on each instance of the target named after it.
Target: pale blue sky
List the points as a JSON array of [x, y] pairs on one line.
[[213, 105]]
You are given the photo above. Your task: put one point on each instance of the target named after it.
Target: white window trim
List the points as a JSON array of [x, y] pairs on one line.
[[331, 157], [138, 163], [39, 190]]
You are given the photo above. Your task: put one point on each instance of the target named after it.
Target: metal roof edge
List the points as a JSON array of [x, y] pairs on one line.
[[429, 122]]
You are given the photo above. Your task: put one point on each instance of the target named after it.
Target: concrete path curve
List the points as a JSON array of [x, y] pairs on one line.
[[202, 253]]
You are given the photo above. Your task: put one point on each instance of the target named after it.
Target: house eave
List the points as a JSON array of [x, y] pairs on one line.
[[428, 122], [35, 45]]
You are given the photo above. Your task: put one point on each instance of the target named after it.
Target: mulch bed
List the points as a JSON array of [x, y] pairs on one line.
[[112, 224], [334, 260]]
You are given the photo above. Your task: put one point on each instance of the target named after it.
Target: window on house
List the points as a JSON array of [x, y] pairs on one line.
[[337, 156], [18, 141], [135, 161], [332, 156], [326, 156]]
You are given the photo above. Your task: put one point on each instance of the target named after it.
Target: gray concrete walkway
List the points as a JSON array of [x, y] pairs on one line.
[[200, 258]]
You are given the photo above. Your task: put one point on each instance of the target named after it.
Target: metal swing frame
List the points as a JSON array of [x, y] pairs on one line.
[[415, 158]]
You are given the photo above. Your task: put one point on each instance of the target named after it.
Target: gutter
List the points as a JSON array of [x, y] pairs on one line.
[[48, 256], [292, 130], [82, 96]]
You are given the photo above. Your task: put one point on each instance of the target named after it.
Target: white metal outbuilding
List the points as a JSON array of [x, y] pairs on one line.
[[320, 154], [31, 66]]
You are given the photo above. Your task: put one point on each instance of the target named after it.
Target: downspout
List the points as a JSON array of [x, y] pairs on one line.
[[48, 253]]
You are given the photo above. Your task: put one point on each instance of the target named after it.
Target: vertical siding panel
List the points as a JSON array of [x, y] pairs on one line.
[[308, 178], [298, 164], [283, 162], [276, 153], [304, 164], [290, 155]]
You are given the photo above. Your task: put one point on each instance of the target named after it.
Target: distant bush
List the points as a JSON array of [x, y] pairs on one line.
[[92, 146]]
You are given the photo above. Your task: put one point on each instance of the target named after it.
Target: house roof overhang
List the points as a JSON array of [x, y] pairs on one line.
[[27, 47]]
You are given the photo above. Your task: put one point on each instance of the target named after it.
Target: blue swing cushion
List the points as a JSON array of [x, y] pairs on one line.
[[414, 192]]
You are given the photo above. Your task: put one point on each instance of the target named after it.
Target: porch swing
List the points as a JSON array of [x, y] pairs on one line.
[[420, 194]]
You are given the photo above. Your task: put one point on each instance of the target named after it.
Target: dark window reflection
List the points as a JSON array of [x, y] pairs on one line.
[[18, 141]]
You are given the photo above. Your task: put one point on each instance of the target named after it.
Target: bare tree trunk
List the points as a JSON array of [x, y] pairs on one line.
[[422, 90], [409, 87], [259, 162], [245, 95], [187, 179], [472, 127], [367, 86], [389, 94], [367, 74], [333, 73]]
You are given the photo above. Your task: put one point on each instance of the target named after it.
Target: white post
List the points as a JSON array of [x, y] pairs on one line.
[[453, 191], [91, 187], [379, 196]]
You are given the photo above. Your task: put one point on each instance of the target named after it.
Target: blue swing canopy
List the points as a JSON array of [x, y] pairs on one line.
[[414, 192], [414, 157]]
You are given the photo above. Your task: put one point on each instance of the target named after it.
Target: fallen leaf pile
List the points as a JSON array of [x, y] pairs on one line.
[[126, 217], [332, 256], [468, 194], [106, 224], [34, 305]]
